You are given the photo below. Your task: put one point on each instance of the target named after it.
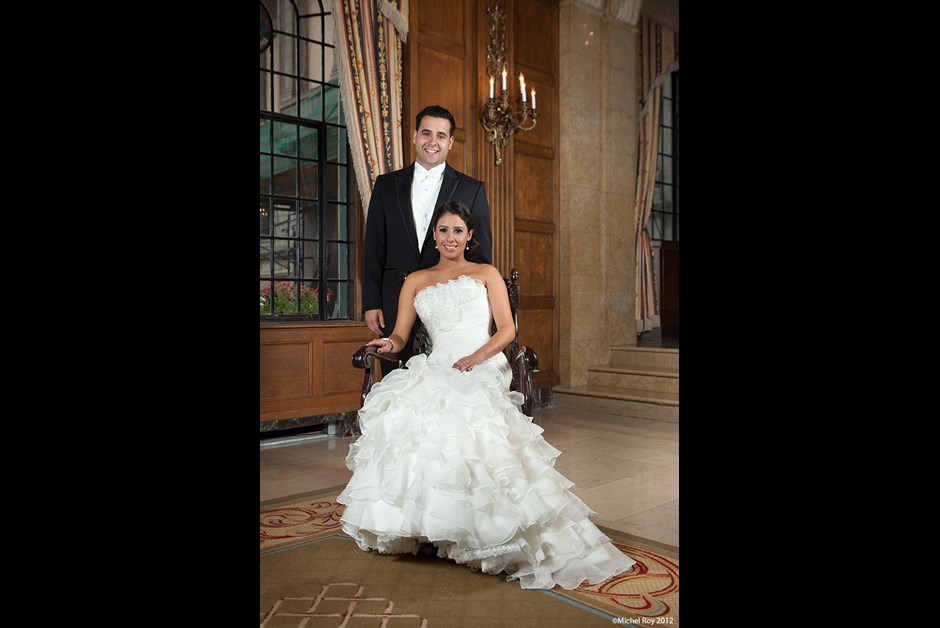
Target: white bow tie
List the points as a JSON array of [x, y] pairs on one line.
[[427, 175]]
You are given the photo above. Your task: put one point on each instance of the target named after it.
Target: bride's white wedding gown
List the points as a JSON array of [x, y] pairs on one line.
[[447, 457]]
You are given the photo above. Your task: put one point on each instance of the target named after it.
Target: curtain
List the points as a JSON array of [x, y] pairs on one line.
[[369, 34], [645, 304], [657, 50]]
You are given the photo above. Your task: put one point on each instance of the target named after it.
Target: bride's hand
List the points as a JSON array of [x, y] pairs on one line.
[[384, 345], [467, 363]]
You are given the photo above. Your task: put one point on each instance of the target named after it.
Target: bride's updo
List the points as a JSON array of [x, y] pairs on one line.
[[463, 212]]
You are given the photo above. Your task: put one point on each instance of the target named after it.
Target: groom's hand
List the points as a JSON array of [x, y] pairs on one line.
[[376, 321]]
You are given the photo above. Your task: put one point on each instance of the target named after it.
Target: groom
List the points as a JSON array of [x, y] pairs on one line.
[[398, 236]]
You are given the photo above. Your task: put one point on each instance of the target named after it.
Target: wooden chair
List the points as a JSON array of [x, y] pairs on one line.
[[523, 360]]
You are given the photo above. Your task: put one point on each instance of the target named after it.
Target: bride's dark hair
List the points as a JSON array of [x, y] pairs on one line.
[[463, 212]]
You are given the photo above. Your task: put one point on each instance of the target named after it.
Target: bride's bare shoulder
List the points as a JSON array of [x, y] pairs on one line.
[[488, 272], [418, 280]]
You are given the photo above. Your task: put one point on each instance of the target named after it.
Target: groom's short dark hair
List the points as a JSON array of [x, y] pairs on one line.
[[435, 111]]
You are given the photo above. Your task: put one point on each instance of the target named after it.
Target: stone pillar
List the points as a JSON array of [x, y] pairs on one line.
[[597, 115], [620, 183]]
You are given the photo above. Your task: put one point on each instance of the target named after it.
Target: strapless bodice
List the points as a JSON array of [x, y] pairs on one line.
[[456, 315]]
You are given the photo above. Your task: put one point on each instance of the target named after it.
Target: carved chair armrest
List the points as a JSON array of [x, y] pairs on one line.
[[524, 356], [365, 356], [531, 358], [364, 359], [524, 361]]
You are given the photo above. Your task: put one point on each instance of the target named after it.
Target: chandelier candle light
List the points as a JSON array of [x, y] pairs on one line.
[[497, 116]]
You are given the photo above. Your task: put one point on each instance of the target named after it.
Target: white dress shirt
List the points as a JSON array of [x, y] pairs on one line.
[[424, 190]]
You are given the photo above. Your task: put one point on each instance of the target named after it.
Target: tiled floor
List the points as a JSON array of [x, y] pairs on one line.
[[625, 469]]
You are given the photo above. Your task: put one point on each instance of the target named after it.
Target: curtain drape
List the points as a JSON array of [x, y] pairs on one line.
[[645, 304], [369, 34]]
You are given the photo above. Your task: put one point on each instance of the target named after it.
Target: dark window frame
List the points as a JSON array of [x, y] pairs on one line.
[[329, 235], [664, 220]]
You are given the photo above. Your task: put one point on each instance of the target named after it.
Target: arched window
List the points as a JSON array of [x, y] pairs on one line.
[[306, 224]]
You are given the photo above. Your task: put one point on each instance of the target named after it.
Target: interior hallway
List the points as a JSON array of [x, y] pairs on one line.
[[625, 469]]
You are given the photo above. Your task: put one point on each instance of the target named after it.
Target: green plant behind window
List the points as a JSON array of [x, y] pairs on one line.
[[285, 299]]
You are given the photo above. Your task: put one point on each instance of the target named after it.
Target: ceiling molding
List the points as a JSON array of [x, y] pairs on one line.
[[627, 11], [663, 12]]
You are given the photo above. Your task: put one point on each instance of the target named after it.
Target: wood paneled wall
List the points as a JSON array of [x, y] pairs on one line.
[[445, 64], [306, 369], [438, 69], [534, 158]]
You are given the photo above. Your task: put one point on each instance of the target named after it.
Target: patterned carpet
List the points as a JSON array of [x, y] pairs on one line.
[[314, 575]]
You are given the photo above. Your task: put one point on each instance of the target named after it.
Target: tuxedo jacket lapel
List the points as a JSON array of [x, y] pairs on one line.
[[403, 181], [448, 186]]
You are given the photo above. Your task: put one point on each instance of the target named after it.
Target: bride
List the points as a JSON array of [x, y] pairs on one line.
[[446, 460]]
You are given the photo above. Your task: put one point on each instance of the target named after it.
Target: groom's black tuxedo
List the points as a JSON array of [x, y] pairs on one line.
[[390, 250]]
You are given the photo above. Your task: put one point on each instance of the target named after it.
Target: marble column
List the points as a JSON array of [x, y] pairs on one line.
[[598, 113]]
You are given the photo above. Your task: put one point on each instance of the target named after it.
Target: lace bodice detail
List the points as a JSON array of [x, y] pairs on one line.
[[456, 315]]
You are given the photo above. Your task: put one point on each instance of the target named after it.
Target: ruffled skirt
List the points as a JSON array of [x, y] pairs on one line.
[[447, 458]]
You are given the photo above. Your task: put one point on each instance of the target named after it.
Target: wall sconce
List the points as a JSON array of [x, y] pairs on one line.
[[497, 116]]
